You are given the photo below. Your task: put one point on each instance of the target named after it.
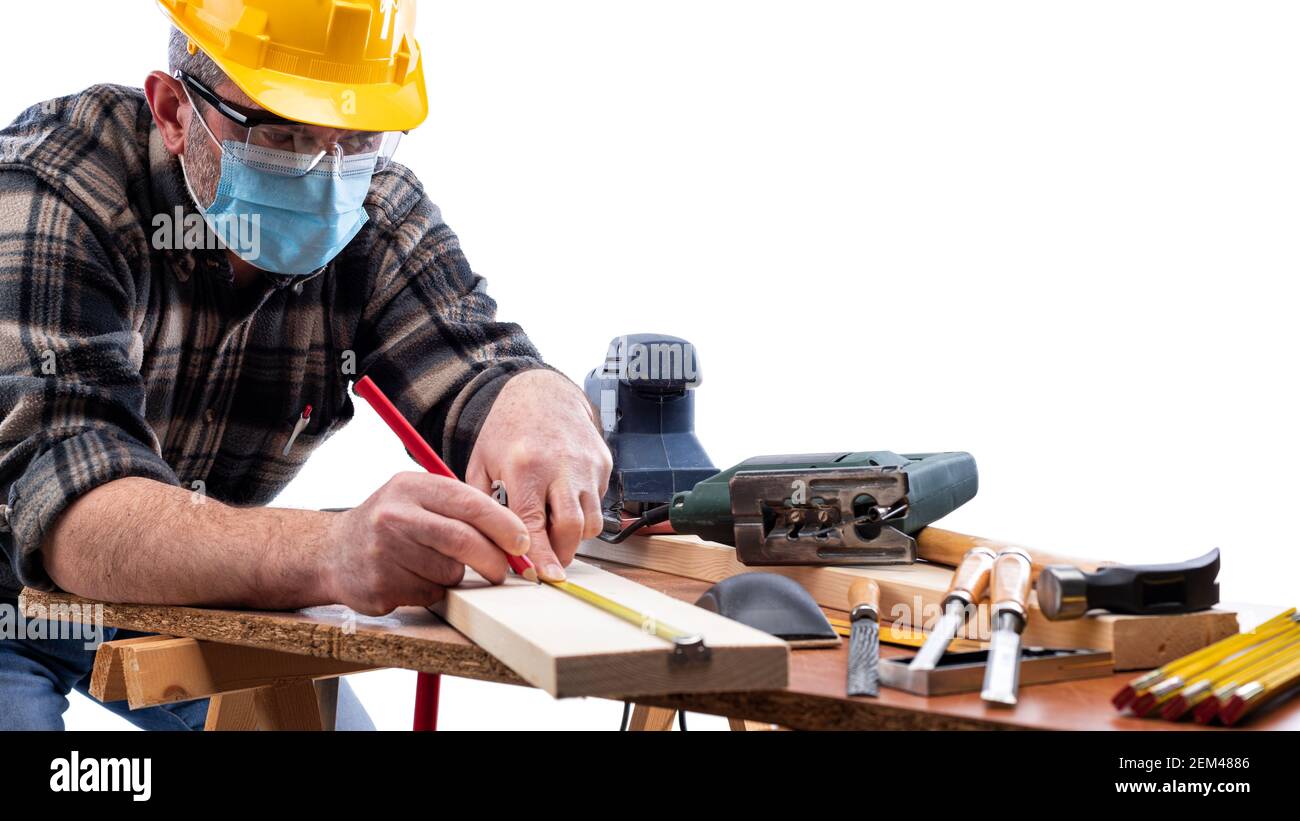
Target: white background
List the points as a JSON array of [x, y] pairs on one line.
[[1060, 236]]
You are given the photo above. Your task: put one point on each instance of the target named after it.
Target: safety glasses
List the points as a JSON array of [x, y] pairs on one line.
[[288, 148]]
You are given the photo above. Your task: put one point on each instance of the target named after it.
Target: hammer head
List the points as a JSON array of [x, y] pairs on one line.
[[1066, 592]]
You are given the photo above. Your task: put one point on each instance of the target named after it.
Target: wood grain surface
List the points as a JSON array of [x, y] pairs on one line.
[[569, 647]]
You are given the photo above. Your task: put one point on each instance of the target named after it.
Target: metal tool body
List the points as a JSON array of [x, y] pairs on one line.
[[963, 672], [969, 584], [828, 508], [864, 638], [1009, 590], [1066, 592]]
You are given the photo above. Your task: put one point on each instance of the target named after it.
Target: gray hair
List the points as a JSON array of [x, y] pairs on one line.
[[198, 65]]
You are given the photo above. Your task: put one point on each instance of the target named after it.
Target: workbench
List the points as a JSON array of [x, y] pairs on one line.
[[287, 652]]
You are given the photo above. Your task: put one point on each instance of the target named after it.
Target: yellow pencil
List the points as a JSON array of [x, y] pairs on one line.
[[1136, 688], [1211, 707], [1202, 687], [1250, 696], [1165, 690]]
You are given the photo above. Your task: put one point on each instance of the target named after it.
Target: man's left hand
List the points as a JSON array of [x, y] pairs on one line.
[[541, 442]]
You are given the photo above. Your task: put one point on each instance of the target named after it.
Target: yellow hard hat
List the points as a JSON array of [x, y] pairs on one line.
[[350, 64]]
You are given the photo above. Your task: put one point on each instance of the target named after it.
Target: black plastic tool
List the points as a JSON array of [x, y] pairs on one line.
[[1066, 592], [645, 392], [773, 604]]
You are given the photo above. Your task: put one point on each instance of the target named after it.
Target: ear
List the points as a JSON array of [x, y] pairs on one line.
[[171, 109]]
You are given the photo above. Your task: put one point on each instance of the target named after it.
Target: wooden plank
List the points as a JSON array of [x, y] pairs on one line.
[[651, 719], [287, 707], [107, 679], [913, 595], [742, 725], [409, 637], [232, 711], [163, 672], [570, 648], [327, 697]]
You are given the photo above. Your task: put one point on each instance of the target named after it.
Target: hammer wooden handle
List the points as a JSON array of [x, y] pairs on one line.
[[1012, 574], [864, 591], [946, 547]]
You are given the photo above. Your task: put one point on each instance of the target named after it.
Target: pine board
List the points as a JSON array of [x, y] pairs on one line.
[[567, 647]]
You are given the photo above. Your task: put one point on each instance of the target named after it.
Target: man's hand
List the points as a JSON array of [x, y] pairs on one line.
[[541, 442], [411, 540]]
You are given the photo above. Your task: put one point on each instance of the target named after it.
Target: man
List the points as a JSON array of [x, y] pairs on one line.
[[151, 379]]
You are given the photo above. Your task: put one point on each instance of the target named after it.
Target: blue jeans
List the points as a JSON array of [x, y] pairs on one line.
[[36, 676]]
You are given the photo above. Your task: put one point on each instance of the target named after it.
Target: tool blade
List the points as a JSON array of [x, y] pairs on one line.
[[1002, 675], [936, 644], [864, 657]]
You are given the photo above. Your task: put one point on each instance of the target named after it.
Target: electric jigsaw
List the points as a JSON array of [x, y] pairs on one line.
[[830, 508]]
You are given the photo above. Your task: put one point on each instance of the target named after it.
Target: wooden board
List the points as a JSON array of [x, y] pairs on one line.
[[409, 637], [569, 648], [912, 594], [161, 672]]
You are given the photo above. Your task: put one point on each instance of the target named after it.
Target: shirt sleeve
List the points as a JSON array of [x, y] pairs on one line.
[[430, 337], [71, 392]]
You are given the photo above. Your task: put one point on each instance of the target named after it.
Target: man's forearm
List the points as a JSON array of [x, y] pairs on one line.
[[137, 540]]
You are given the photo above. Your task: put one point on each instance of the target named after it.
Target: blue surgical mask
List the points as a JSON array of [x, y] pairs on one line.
[[290, 225]]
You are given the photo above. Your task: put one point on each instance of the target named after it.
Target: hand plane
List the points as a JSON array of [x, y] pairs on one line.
[[829, 508]]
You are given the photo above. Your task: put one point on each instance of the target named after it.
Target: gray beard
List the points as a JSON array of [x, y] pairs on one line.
[[201, 169]]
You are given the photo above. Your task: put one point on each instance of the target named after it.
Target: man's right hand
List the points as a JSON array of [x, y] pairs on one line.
[[413, 538]]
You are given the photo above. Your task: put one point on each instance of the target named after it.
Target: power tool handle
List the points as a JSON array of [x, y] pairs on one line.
[[1182, 587], [1012, 575]]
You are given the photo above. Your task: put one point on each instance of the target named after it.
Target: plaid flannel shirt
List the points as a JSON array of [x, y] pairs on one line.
[[120, 358]]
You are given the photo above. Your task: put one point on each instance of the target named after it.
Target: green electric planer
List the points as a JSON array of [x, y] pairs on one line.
[[827, 508]]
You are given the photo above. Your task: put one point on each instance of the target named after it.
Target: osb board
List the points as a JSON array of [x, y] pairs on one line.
[[409, 637], [526, 634], [568, 647], [909, 592]]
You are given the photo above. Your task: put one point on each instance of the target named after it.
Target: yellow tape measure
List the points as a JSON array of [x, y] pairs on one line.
[[688, 645]]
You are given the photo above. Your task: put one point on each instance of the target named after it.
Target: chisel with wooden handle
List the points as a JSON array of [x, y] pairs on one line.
[[1008, 592], [864, 638], [968, 586]]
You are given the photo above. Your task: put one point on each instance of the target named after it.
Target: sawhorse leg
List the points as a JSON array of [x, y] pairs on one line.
[[661, 718], [248, 688]]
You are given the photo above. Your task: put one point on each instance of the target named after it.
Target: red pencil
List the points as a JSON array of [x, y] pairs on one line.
[[423, 454]]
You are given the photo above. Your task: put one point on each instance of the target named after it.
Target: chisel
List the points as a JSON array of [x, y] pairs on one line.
[[864, 640], [969, 583], [1012, 572]]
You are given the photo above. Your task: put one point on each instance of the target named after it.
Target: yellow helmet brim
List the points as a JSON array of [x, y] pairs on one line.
[[381, 107]]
